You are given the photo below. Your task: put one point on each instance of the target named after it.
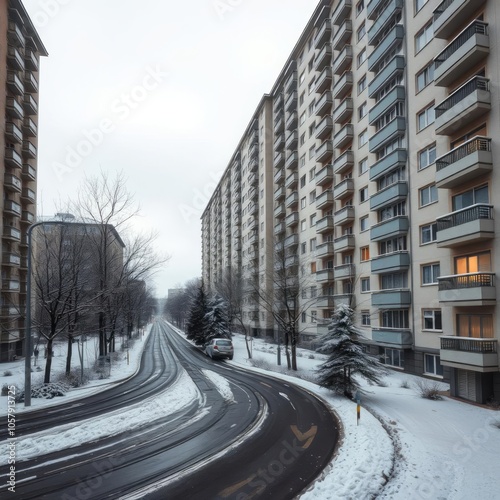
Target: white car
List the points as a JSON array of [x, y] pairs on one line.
[[220, 348]]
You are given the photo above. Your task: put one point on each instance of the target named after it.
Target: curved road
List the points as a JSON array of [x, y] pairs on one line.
[[271, 442]]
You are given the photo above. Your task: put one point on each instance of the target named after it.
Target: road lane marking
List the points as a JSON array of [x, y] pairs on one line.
[[267, 385]]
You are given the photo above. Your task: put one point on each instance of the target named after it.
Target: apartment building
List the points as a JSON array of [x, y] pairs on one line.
[[379, 171], [20, 52]]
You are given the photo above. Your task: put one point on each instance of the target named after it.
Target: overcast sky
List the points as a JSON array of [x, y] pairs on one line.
[[160, 90]]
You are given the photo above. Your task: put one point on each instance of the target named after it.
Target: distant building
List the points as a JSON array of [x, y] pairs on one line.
[[371, 162], [21, 49]]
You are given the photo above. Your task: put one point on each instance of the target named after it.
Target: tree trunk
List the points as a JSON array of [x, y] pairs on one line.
[[294, 352], [103, 347], [48, 363], [70, 352]]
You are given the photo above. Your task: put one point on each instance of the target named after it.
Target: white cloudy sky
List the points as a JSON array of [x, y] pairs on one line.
[[171, 135]]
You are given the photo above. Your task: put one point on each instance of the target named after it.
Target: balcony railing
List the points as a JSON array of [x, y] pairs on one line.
[[469, 344], [476, 83], [462, 281], [465, 215], [477, 143]]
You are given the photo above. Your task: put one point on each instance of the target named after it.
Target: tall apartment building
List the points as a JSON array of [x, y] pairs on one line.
[[377, 174], [20, 51]]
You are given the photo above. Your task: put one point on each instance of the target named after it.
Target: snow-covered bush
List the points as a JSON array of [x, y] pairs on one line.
[[428, 389], [74, 379], [7, 373], [46, 391]]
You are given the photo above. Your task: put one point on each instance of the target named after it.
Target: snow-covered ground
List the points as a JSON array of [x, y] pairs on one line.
[[403, 447]]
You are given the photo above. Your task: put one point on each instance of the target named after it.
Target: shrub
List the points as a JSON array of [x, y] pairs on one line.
[[405, 384], [428, 389], [7, 373], [74, 379]]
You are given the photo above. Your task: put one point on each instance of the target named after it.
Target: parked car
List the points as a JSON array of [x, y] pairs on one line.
[[220, 348]]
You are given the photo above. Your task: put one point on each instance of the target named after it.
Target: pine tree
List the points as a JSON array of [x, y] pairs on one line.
[[346, 356], [197, 318], [216, 324]]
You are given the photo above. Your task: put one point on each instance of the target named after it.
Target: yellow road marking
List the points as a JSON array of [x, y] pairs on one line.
[[309, 435]]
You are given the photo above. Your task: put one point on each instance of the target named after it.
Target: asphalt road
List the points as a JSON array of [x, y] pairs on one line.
[[271, 442]]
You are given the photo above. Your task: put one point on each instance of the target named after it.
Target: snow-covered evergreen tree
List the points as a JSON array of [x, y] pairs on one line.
[[197, 322], [346, 356], [216, 324]]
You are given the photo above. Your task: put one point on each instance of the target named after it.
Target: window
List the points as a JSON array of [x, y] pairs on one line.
[[302, 181], [479, 326], [428, 233], [303, 248], [304, 293], [312, 152], [303, 202], [425, 117], [303, 118], [363, 194], [312, 197], [397, 244], [363, 138], [310, 64], [302, 77], [312, 129], [397, 318], [430, 273], [302, 98], [311, 108], [314, 316], [362, 85], [394, 281], [314, 292], [396, 210], [478, 263], [432, 365], [471, 197], [313, 267], [310, 89], [428, 195], [365, 253], [362, 110], [365, 318], [361, 57], [302, 161], [365, 284], [304, 317], [359, 7], [361, 32], [312, 220], [426, 157], [425, 77], [423, 37], [312, 173], [394, 357], [431, 319], [303, 139], [363, 166], [419, 4], [303, 225], [312, 244], [363, 222]]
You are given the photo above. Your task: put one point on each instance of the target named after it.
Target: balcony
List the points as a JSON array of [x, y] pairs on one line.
[[469, 102], [31, 60], [30, 105], [15, 34], [279, 160], [341, 12], [452, 13], [28, 173], [28, 217], [344, 216], [13, 158], [391, 262], [346, 299], [391, 299], [389, 195], [291, 81], [292, 140], [343, 189], [280, 211], [279, 228], [324, 104], [279, 124], [395, 67], [344, 243], [469, 225], [14, 83], [279, 176], [291, 121], [324, 81], [278, 103], [324, 176], [395, 338], [11, 233], [324, 200], [395, 159], [343, 85], [372, 9], [344, 136], [325, 250], [397, 94], [323, 58], [390, 41], [292, 219], [12, 183], [15, 58], [343, 111], [292, 160], [325, 224], [13, 132], [11, 286], [470, 353], [343, 35], [279, 193], [29, 149], [343, 60], [324, 275], [389, 228], [292, 200], [279, 142], [324, 34], [345, 271], [291, 102], [324, 152], [292, 261], [12, 208], [324, 128], [292, 180], [30, 82], [464, 163], [474, 289], [325, 302], [391, 131], [14, 109], [344, 162], [291, 241], [469, 48], [383, 20]]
